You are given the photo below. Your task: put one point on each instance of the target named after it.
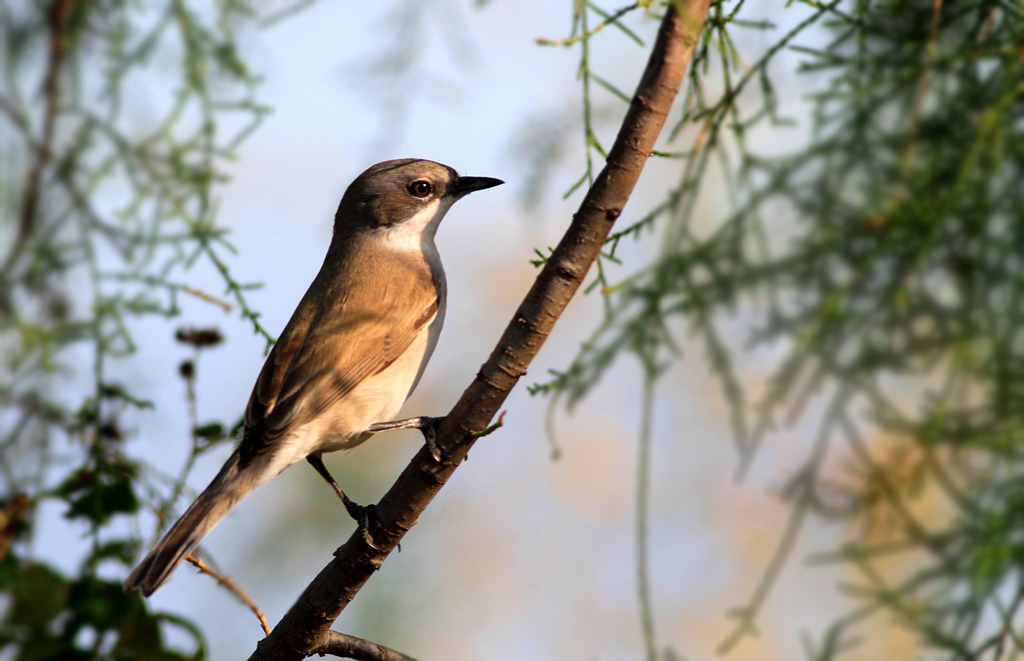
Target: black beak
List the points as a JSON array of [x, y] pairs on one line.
[[466, 185]]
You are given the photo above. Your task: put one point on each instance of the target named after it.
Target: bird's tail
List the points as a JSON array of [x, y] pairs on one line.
[[230, 486]]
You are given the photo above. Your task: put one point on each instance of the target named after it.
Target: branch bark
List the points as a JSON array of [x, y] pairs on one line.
[[350, 647], [305, 629]]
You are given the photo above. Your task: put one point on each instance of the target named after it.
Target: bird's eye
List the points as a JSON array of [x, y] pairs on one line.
[[421, 188]]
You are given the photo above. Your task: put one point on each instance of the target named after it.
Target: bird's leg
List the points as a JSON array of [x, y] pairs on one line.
[[358, 512], [425, 423]]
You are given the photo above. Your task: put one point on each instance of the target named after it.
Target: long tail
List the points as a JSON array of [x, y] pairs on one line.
[[227, 489]]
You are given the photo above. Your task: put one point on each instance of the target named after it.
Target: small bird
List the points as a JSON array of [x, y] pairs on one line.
[[350, 356]]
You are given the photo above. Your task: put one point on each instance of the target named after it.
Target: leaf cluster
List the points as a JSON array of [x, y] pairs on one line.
[[87, 617], [118, 121], [884, 261]]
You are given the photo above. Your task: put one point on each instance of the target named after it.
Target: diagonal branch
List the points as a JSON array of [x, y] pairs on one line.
[[305, 629]]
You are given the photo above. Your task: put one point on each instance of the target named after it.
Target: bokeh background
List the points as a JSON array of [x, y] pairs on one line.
[[529, 553]]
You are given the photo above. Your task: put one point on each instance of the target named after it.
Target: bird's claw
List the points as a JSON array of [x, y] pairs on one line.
[[362, 515], [425, 423]]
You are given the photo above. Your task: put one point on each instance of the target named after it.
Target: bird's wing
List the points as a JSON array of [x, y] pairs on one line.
[[328, 348]]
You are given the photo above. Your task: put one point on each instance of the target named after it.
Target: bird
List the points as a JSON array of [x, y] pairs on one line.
[[351, 354]]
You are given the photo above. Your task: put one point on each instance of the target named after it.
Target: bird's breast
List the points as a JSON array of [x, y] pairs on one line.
[[379, 397]]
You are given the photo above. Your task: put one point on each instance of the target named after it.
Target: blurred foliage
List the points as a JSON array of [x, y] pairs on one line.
[[403, 71], [55, 617], [107, 176], [885, 260]]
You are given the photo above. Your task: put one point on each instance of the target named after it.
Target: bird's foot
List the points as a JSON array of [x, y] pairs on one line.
[[425, 423], [366, 518]]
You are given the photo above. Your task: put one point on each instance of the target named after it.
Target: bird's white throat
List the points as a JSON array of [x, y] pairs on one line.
[[417, 233]]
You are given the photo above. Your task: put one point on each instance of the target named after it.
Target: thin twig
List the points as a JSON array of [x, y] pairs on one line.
[[643, 513], [490, 429], [209, 298], [51, 93], [233, 587], [919, 93], [587, 34]]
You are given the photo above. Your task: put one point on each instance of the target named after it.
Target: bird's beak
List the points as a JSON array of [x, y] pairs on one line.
[[466, 185]]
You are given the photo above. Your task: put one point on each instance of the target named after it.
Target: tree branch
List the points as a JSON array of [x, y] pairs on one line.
[[233, 588], [350, 647], [57, 16], [305, 629]]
